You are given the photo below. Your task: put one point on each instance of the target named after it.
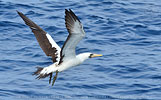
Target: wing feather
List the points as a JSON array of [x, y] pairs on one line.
[[45, 41], [76, 33]]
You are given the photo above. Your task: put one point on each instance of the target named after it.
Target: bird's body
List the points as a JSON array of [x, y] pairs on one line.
[[66, 64], [65, 57]]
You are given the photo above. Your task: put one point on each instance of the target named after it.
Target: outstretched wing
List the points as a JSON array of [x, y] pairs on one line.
[[76, 33], [45, 41]]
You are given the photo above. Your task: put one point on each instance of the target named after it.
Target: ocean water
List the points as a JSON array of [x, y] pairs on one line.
[[126, 32]]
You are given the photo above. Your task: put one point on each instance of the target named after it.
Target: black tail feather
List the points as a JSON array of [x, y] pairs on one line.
[[39, 69], [40, 76]]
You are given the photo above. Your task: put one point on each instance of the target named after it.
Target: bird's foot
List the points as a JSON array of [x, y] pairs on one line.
[[51, 74], [55, 77]]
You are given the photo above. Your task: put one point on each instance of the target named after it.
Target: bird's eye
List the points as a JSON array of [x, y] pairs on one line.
[[90, 55]]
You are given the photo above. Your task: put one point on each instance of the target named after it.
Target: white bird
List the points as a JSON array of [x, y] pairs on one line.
[[64, 57]]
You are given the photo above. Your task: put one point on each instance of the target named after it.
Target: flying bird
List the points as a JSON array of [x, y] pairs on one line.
[[65, 57]]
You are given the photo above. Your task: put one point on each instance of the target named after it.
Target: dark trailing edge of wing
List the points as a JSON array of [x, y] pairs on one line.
[[41, 37]]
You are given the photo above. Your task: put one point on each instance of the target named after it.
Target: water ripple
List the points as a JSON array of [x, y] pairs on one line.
[[127, 33]]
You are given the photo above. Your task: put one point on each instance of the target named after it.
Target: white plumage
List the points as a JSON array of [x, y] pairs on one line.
[[53, 43], [65, 57]]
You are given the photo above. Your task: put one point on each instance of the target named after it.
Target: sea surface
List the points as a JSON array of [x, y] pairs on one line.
[[126, 32]]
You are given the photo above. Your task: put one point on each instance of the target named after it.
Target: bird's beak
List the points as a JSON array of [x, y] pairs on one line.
[[96, 55]]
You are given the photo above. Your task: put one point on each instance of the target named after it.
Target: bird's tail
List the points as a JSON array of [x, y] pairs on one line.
[[39, 74]]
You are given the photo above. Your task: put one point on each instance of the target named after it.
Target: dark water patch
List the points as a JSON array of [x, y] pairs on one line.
[[53, 17], [139, 26], [149, 76], [95, 17], [138, 3], [62, 5], [9, 15], [5, 93], [48, 9], [60, 43], [108, 3], [150, 32], [81, 50], [7, 5], [132, 92], [96, 5], [105, 28], [95, 96], [23, 92], [140, 86], [47, 2], [126, 71], [11, 24], [99, 21], [103, 69], [60, 32], [80, 86], [4, 68], [81, 6], [25, 6], [51, 29], [22, 37], [2, 12], [112, 21], [136, 71], [28, 49], [97, 86], [155, 77], [32, 13], [117, 40], [7, 61], [36, 55], [61, 78], [157, 23], [99, 42], [95, 50], [155, 89], [128, 11], [145, 43]]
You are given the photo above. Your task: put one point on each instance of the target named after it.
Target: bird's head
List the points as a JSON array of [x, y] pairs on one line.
[[84, 56], [92, 55]]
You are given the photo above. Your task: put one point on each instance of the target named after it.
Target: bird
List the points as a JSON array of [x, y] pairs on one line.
[[65, 57]]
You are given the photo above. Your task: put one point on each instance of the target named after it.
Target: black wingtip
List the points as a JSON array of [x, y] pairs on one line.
[[17, 11], [68, 10], [20, 13], [71, 13]]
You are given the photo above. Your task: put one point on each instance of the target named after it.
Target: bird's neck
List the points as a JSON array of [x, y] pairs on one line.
[[82, 57]]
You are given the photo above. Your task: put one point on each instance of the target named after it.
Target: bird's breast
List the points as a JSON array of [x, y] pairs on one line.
[[68, 64]]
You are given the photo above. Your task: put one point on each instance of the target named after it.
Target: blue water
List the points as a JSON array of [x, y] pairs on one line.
[[126, 32]]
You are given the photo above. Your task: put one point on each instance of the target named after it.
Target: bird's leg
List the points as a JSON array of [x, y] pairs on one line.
[[55, 77], [51, 74]]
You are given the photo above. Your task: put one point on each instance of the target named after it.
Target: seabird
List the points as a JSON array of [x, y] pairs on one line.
[[65, 57]]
